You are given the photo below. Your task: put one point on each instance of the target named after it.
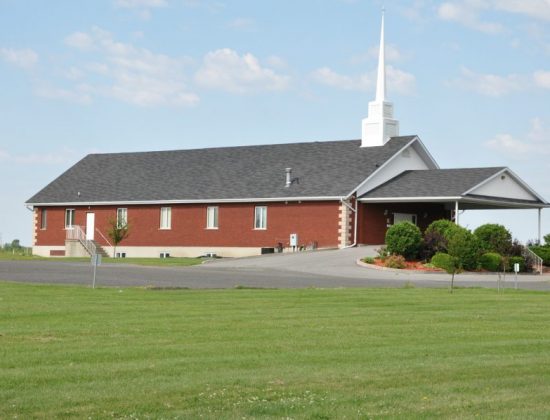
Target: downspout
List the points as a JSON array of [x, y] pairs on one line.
[[343, 201]]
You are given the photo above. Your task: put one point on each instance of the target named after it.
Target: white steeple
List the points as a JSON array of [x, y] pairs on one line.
[[379, 126]]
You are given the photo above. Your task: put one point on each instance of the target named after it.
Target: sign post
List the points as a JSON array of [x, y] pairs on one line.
[[96, 260], [516, 270]]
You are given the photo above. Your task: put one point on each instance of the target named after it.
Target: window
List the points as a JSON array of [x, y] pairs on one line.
[[121, 217], [166, 217], [69, 218], [212, 218], [44, 219], [260, 217]]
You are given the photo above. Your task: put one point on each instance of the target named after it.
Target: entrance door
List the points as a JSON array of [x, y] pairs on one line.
[[90, 226], [404, 217]]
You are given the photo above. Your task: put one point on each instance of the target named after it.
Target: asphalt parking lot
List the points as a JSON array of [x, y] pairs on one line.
[[324, 269]]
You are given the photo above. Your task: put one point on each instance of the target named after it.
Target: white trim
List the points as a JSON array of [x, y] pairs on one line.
[[474, 200], [395, 155], [408, 199], [207, 201], [514, 176]]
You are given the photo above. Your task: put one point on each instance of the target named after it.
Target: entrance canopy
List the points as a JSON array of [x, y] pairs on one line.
[[459, 189]]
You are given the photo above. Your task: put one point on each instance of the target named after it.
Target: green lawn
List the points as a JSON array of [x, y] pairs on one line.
[[310, 353], [166, 262]]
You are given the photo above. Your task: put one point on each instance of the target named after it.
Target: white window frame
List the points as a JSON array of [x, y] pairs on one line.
[[212, 217], [69, 218], [121, 216], [166, 218], [44, 219], [260, 218]]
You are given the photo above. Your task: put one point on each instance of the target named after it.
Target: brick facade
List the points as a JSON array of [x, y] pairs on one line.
[[374, 218], [314, 222]]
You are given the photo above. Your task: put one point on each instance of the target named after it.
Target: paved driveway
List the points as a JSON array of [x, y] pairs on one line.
[[331, 268]]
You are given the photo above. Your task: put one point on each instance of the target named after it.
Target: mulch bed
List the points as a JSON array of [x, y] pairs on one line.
[[411, 265]]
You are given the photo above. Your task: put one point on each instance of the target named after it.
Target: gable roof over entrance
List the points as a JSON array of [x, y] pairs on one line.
[[321, 170], [476, 186]]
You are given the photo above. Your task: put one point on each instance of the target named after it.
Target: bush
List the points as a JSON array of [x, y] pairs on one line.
[[442, 260], [464, 246], [395, 261], [543, 252], [382, 253], [368, 260], [433, 243], [491, 261], [443, 227], [494, 238], [520, 261], [404, 239], [547, 239]]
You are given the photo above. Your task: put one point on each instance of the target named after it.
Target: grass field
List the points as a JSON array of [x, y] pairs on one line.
[[167, 262], [311, 353]]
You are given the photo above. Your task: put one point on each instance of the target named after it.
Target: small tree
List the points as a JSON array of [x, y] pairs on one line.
[[453, 267], [547, 240], [117, 232], [464, 246]]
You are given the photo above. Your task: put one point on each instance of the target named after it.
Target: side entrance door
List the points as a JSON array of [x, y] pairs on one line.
[[404, 217], [90, 226]]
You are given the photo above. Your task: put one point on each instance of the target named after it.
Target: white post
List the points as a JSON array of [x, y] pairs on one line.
[[456, 212], [539, 230]]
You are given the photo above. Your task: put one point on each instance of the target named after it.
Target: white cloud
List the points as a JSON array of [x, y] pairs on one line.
[[542, 79], [467, 14], [538, 9], [499, 85], [226, 70], [80, 40], [490, 84], [392, 53], [24, 58], [124, 72], [397, 80], [535, 143], [276, 62]]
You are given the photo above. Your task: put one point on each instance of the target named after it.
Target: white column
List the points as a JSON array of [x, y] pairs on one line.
[[539, 230], [456, 212]]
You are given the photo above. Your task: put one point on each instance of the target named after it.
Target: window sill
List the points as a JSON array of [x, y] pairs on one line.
[[165, 228], [211, 228], [260, 228]]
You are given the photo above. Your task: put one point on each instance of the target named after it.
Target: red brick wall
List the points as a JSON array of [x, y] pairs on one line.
[[372, 224], [312, 221]]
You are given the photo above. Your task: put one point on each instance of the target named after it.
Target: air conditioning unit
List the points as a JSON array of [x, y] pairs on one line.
[[164, 255]]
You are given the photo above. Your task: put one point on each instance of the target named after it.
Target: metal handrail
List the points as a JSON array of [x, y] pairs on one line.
[[76, 233], [104, 238], [538, 260]]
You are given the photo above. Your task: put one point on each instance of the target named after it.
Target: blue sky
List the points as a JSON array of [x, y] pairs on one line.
[[471, 78]]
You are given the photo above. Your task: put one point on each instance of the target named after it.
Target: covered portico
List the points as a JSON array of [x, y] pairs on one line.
[[423, 196]]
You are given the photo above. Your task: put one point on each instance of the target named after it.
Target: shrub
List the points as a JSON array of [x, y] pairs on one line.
[[368, 260], [442, 260], [395, 261], [465, 247], [443, 227], [491, 261], [433, 243], [382, 253], [494, 238], [404, 239], [547, 239], [520, 261], [543, 252], [517, 249]]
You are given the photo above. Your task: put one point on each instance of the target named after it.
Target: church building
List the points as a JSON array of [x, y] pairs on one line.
[[248, 200]]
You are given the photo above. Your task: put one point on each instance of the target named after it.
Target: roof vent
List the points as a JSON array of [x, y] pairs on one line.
[[288, 182]]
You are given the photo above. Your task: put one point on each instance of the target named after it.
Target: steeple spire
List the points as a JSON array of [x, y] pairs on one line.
[[379, 126], [381, 80]]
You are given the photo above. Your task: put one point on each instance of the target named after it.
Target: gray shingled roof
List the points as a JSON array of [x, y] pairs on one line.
[[324, 169], [432, 183]]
